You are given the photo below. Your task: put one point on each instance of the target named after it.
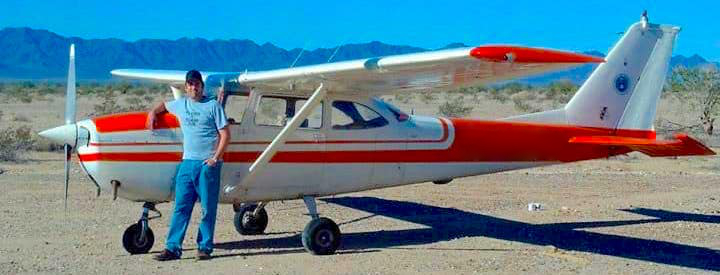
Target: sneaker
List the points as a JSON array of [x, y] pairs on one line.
[[202, 256], [166, 255]]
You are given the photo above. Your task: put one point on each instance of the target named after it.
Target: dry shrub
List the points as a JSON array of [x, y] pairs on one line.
[[700, 87], [46, 145], [14, 141], [404, 97], [498, 95], [428, 97], [455, 108], [21, 118], [526, 101], [560, 91]]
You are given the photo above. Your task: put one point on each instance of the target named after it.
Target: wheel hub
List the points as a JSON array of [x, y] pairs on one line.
[[324, 238]]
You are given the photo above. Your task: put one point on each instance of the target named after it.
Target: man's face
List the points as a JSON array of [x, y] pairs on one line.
[[194, 89]]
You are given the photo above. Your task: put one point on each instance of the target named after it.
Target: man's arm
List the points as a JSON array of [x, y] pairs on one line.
[[222, 145], [152, 114]]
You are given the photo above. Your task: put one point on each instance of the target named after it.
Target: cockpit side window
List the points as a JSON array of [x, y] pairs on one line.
[[278, 110], [348, 115], [235, 106]]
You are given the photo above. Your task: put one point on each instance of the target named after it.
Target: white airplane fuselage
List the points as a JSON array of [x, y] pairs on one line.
[[322, 161]]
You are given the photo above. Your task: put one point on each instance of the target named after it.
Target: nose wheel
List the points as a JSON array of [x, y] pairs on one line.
[[139, 238], [321, 236], [251, 219]]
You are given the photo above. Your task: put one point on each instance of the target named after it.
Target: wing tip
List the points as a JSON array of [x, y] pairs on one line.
[[504, 53]]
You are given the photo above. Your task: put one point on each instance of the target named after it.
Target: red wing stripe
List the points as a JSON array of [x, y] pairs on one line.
[[530, 55]]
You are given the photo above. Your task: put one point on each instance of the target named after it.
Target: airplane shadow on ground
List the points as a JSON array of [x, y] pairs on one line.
[[448, 223]]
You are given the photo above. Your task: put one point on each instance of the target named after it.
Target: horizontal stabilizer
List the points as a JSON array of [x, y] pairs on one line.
[[682, 145]]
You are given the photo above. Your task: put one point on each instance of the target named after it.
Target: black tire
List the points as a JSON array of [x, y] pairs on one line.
[[131, 240], [247, 224], [321, 236], [441, 182]]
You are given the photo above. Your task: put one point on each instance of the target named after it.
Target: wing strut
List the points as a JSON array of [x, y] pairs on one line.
[[262, 161]]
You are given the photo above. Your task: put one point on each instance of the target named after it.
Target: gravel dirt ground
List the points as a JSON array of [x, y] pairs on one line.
[[629, 215]]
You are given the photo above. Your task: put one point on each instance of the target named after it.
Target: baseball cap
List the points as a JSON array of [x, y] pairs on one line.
[[193, 75]]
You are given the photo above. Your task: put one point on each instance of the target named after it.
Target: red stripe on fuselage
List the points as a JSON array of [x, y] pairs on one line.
[[474, 141], [139, 156]]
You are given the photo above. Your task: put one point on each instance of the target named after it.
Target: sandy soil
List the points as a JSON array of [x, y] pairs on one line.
[[633, 215]]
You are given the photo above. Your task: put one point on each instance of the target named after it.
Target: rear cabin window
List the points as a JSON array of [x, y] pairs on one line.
[[348, 115], [277, 111]]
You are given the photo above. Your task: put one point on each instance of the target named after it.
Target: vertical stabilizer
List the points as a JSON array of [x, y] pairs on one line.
[[623, 92]]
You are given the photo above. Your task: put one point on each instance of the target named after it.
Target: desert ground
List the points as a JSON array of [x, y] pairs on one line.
[[626, 215]]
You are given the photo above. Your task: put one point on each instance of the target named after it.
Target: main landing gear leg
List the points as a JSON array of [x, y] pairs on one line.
[[139, 238], [321, 236], [250, 219]]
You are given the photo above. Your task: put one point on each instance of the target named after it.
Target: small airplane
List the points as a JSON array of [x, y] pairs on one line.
[[319, 130]]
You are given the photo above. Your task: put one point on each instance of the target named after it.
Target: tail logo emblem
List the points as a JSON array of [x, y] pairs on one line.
[[622, 83]]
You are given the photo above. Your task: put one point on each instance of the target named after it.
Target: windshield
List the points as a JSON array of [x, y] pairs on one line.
[[399, 114]]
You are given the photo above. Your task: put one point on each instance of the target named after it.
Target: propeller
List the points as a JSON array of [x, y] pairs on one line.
[[70, 102], [67, 134]]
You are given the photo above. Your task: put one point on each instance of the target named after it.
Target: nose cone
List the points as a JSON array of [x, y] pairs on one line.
[[66, 134]]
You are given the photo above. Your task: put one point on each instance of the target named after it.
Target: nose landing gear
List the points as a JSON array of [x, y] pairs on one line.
[[138, 237], [250, 219]]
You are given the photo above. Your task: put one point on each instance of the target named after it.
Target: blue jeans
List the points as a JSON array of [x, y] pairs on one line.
[[194, 180]]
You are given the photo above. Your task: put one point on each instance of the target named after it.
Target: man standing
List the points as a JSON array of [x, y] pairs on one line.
[[205, 138]]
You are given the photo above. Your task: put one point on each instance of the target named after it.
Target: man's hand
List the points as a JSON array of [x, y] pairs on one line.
[[150, 124], [221, 146], [152, 115], [210, 162]]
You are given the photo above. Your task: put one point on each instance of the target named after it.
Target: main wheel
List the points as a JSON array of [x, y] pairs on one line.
[[321, 236], [248, 224], [132, 242]]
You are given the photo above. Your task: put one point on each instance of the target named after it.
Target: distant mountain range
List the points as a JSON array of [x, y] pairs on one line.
[[30, 54]]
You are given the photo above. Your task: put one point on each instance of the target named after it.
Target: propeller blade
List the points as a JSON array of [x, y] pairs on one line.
[[70, 111], [68, 151], [71, 93]]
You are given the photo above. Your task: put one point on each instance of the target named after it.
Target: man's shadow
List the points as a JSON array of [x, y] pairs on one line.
[[445, 224]]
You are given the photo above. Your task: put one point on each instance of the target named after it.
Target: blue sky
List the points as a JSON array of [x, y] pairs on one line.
[[570, 25]]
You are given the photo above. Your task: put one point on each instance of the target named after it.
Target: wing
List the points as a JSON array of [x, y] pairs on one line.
[[437, 70], [167, 76]]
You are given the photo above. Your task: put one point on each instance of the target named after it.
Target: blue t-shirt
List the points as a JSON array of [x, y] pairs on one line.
[[200, 122]]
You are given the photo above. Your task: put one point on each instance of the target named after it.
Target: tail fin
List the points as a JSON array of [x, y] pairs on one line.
[[623, 92]]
